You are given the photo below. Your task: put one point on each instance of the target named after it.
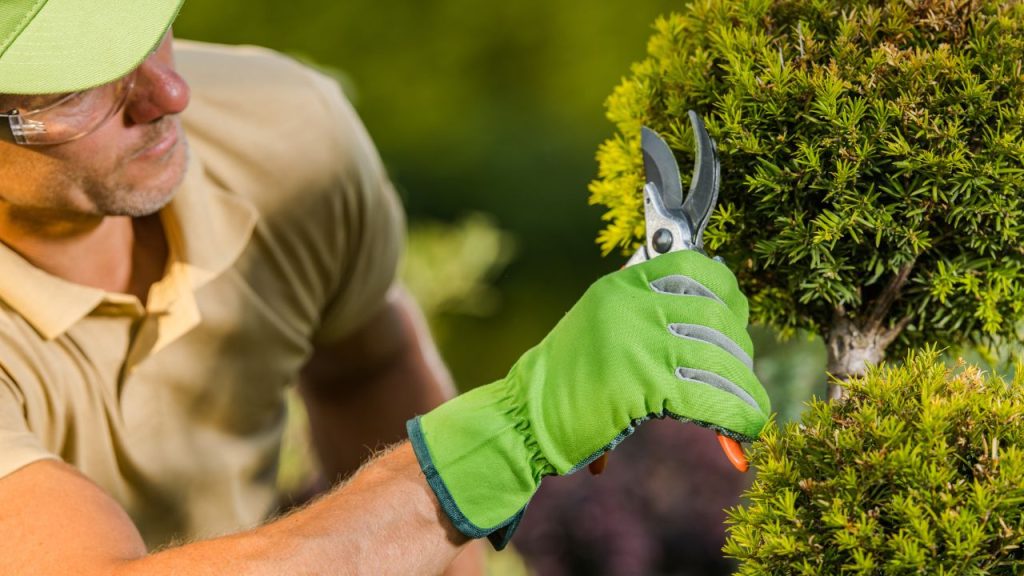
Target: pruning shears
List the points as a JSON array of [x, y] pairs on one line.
[[674, 223]]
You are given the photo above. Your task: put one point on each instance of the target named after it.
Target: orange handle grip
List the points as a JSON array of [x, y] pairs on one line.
[[597, 466], [733, 451]]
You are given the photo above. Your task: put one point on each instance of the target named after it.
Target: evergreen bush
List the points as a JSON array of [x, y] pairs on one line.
[[918, 471], [872, 162]]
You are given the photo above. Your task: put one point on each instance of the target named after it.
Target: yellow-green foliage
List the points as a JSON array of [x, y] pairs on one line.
[[856, 137], [449, 267], [918, 472]]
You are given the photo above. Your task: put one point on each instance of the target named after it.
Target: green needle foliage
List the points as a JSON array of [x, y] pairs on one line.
[[872, 161], [917, 472]]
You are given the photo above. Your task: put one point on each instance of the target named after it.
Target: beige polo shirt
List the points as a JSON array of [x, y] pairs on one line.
[[284, 234]]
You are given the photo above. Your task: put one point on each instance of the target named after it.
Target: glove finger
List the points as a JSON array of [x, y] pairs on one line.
[[708, 319], [689, 272], [712, 366], [713, 408]]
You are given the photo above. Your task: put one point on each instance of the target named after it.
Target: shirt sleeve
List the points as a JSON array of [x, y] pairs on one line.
[[18, 445], [284, 137], [371, 223]]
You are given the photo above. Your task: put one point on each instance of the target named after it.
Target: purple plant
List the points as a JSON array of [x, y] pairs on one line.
[[657, 510]]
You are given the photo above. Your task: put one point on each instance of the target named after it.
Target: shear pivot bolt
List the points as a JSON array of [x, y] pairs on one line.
[[662, 241]]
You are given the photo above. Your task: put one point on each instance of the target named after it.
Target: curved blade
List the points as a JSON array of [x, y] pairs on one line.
[[703, 195], [668, 229], [661, 169]]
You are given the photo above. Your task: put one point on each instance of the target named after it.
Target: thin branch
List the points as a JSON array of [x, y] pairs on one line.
[[891, 334], [880, 307]]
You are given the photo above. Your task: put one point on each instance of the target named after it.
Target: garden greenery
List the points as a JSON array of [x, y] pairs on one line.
[[918, 471], [872, 161]]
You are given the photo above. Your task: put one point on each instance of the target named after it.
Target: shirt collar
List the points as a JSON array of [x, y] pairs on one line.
[[207, 225], [207, 228]]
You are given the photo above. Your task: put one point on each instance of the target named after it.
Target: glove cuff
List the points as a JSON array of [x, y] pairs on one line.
[[480, 462]]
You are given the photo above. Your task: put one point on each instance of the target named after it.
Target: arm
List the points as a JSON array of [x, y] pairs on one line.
[[610, 362], [385, 520], [360, 391]]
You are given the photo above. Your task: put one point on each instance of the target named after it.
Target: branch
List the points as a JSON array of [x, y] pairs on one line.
[[880, 307], [890, 335]]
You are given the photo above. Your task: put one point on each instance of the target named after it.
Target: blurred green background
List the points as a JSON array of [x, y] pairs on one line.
[[488, 117], [475, 107]]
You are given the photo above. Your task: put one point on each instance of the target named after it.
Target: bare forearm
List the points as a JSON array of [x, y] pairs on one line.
[[384, 521], [363, 393]]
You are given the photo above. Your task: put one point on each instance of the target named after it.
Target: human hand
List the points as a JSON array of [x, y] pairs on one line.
[[665, 338]]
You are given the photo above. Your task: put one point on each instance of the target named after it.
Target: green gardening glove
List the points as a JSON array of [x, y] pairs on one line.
[[663, 338]]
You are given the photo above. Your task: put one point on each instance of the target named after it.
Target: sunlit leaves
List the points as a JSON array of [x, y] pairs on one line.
[[918, 472], [854, 137]]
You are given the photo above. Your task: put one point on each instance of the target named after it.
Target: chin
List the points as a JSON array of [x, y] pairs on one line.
[[147, 187]]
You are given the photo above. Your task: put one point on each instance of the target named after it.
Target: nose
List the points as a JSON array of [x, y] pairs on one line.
[[158, 92]]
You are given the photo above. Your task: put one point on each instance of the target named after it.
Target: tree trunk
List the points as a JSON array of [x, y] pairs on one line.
[[851, 349]]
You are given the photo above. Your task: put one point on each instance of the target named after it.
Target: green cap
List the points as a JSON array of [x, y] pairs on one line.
[[55, 46]]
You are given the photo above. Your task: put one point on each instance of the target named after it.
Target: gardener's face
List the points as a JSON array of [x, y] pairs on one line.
[[129, 166]]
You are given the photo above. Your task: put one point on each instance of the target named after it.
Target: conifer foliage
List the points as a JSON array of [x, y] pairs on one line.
[[918, 471], [872, 162]]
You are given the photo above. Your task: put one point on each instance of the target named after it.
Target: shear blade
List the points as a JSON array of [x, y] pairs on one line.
[[661, 169], [666, 209], [703, 195]]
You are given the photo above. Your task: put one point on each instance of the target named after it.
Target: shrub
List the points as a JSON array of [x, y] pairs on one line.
[[918, 471], [872, 162]]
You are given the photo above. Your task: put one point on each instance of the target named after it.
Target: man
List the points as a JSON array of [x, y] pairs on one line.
[[164, 277]]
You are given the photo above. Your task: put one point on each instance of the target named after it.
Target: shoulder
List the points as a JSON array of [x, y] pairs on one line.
[[284, 137], [259, 117]]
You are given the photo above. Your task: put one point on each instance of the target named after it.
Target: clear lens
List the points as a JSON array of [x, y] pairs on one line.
[[30, 103], [56, 119]]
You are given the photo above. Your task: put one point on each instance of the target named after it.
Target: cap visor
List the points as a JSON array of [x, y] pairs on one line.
[[72, 45]]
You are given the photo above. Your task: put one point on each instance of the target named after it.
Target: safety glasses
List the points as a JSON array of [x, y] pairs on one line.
[[45, 120]]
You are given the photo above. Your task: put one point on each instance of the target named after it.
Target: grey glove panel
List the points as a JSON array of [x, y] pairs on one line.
[[712, 379], [711, 336], [683, 286]]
